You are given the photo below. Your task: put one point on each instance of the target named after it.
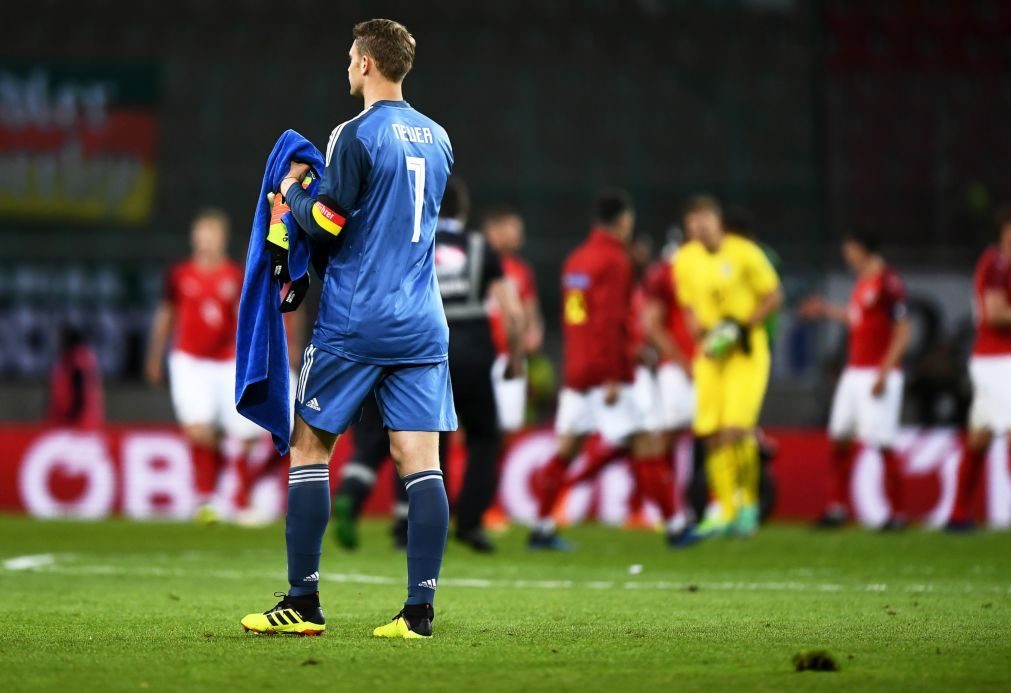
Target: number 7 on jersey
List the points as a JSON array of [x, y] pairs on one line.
[[416, 165]]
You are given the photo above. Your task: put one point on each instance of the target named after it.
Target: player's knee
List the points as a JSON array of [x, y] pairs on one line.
[[735, 435], [842, 446], [980, 439], [568, 446], [309, 445], [414, 451], [200, 434]]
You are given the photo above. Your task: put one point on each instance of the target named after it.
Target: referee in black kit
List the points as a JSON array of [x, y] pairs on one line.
[[470, 272]]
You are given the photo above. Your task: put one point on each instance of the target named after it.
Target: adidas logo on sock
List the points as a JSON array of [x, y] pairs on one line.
[[428, 584], [313, 404], [311, 578]]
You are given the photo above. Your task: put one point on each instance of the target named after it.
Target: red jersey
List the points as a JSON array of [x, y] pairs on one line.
[[659, 286], [597, 281], [876, 303], [519, 273], [206, 303], [636, 323], [993, 273]]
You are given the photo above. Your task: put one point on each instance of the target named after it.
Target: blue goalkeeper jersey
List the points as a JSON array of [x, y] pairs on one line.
[[376, 208]]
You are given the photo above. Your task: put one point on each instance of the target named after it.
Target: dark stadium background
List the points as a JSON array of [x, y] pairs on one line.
[[818, 117]]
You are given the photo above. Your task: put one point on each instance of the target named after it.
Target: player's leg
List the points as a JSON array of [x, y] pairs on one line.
[[476, 409], [746, 378], [653, 471], [989, 415], [842, 451], [298, 612], [358, 476], [247, 434], [417, 404], [194, 397], [878, 426], [970, 469], [721, 460], [330, 394], [573, 422]]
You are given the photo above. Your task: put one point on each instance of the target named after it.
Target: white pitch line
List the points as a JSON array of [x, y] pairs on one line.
[[49, 563], [30, 562]]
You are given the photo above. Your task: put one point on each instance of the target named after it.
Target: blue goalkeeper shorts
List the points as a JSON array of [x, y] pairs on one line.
[[412, 397]]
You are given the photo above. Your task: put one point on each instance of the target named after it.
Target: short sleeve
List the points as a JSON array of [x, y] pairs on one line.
[[993, 278], [681, 278], [659, 283], [527, 284], [764, 279], [894, 295]]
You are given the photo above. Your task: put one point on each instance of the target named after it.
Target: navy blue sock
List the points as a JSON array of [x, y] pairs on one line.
[[305, 524], [427, 526]]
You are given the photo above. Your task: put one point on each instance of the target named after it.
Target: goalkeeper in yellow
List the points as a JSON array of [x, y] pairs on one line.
[[727, 288]]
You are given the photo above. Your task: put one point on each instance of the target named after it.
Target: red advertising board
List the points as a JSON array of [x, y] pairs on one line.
[[145, 472]]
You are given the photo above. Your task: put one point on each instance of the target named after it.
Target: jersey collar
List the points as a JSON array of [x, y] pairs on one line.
[[392, 104], [599, 235]]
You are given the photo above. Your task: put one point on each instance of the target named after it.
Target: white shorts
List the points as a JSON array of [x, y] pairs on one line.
[[991, 393], [666, 399], [203, 392], [858, 414], [677, 397], [584, 412], [510, 396]]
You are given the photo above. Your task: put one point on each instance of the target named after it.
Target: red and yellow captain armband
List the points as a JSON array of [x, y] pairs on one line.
[[328, 216]]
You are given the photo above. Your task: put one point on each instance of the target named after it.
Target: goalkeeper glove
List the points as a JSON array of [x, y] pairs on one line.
[[725, 337], [276, 244]]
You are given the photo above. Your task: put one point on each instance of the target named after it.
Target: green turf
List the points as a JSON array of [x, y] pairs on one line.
[[127, 606]]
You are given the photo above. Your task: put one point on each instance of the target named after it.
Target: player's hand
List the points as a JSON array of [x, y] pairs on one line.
[[296, 175], [813, 307], [611, 392], [154, 372], [515, 368], [726, 336], [878, 388], [298, 171]]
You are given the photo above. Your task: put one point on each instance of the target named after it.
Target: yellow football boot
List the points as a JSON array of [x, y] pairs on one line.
[[414, 622], [291, 616]]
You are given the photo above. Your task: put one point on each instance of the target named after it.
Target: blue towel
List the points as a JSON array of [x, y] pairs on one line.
[[261, 361]]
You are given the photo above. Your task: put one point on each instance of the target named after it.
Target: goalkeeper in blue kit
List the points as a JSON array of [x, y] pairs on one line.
[[381, 329]]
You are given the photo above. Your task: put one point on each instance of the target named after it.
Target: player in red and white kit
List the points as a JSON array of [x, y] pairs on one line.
[[665, 329], [198, 313], [868, 398], [597, 397], [989, 368], [504, 231]]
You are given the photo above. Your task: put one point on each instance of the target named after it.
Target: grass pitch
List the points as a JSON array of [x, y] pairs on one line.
[[126, 606]]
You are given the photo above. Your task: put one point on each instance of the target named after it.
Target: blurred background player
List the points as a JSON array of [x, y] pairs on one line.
[[597, 397], [75, 384], [668, 383], [867, 404], [197, 315], [727, 288], [989, 367], [504, 231], [470, 277]]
